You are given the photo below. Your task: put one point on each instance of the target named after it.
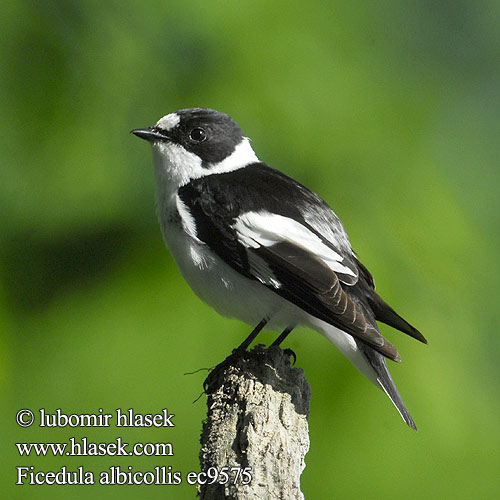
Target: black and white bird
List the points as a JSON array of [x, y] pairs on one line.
[[259, 246]]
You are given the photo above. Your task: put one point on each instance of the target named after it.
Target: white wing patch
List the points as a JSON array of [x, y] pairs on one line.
[[188, 223], [262, 271], [256, 229]]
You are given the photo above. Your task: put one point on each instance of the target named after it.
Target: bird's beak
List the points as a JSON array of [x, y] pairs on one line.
[[151, 134]]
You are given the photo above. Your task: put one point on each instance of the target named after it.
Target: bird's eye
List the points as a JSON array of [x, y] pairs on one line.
[[198, 135]]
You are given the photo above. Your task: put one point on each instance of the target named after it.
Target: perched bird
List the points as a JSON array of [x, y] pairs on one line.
[[259, 246]]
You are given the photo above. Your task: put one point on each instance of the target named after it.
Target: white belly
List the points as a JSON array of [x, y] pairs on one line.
[[227, 291]]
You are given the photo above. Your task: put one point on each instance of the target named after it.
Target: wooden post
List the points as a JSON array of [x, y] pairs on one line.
[[256, 427]]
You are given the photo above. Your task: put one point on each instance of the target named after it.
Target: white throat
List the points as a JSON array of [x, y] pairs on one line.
[[176, 166]]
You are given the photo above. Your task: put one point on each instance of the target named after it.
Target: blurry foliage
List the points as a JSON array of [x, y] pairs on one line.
[[389, 110]]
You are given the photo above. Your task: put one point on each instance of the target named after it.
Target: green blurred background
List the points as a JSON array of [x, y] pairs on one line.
[[390, 110]]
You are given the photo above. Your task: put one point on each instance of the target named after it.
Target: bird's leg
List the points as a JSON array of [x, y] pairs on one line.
[[244, 345], [283, 336]]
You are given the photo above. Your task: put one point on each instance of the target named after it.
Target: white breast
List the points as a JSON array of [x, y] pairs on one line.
[[221, 287]]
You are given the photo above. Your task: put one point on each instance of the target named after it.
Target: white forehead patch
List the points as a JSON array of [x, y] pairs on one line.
[[168, 122]]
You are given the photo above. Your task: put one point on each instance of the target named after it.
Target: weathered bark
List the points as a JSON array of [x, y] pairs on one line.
[[258, 407]]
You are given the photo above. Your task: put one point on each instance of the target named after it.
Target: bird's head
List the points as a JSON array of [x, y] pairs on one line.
[[195, 142]]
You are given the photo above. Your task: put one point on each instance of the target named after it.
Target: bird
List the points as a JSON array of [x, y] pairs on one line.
[[257, 245]]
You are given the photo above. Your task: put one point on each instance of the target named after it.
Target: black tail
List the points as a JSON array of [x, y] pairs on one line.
[[378, 363]]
